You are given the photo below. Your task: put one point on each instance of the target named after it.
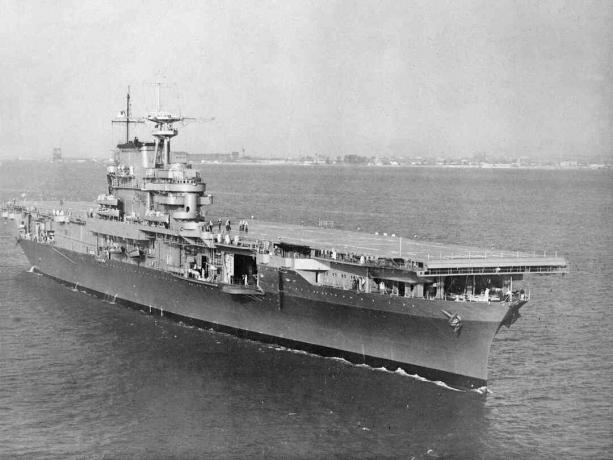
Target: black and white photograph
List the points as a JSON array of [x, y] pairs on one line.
[[306, 229]]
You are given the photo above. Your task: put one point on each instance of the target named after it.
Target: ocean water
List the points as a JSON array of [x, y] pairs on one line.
[[81, 377]]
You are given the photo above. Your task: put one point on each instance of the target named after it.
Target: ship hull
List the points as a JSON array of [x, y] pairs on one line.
[[410, 334]]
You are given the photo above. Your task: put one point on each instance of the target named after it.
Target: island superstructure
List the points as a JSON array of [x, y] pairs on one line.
[[427, 308]]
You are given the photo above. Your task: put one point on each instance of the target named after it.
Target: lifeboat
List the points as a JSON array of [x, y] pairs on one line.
[[135, 253], [239, 289]]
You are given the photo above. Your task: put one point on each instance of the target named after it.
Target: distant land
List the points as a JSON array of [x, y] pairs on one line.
[[476, 161]]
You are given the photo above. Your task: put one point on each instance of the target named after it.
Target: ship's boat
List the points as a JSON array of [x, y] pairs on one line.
[[237, 289], [115, 249], [382, 300], [135, 253]]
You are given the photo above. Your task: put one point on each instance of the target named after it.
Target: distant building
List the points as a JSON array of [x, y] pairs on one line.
[[213, 157], [57, 154], [179, 157]]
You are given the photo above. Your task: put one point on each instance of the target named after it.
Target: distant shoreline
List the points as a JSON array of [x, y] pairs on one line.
[[263, 162]]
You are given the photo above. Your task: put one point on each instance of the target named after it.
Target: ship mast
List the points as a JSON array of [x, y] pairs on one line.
[[128, 116], [163, 130], [124, 117]]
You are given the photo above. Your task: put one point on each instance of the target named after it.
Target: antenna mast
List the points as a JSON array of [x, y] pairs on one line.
[[128, 116], [124, 117], [158, 85]]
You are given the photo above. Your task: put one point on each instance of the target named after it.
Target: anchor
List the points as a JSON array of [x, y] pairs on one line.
[[455, 321]]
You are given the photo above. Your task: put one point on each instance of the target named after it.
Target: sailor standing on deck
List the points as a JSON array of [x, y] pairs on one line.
[[219, 224]]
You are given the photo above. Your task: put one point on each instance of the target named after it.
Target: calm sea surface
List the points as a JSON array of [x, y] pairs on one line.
[[82, 378]]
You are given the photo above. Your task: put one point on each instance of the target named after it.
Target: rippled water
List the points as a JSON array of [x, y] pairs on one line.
[[85, 378]]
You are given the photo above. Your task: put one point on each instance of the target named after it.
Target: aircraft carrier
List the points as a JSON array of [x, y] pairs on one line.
[[383, 300]]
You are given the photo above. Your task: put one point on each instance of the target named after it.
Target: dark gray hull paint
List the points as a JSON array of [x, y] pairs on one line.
[[411, 334]]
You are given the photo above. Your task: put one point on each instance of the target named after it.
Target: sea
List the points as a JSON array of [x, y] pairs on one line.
[[83, 377]]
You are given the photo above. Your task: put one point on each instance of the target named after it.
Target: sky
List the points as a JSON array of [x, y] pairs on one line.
[[291, 78]]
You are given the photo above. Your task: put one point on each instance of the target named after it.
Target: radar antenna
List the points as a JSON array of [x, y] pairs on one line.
[[164, 130]]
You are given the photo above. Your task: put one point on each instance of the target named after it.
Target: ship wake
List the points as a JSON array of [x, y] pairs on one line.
[[399, 371]]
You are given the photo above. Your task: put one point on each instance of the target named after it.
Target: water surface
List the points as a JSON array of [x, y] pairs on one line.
[[86, 378]]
